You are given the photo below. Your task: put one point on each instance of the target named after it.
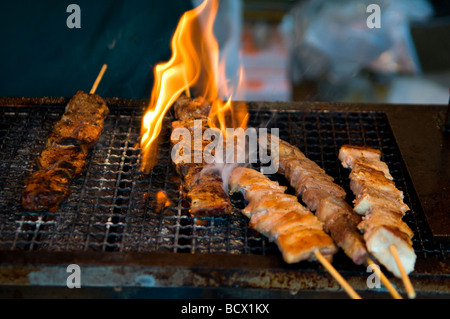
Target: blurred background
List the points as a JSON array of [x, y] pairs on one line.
[[325, 50], [291, 50]]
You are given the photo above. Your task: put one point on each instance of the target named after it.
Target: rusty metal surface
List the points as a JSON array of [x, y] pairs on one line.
[[119, 272]]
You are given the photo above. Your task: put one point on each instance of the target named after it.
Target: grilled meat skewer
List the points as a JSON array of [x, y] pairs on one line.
[[201, 182], [82, 121], [64, 156], [382, 207], [279, 216], [322, 196]]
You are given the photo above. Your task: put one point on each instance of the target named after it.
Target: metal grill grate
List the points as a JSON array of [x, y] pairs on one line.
[[113, 207]]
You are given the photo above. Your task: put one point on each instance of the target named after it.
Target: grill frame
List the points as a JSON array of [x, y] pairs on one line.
[[216, 273]]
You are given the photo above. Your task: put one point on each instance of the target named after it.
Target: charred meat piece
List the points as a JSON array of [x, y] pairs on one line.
[[207, 195], [46, 190], [186, 108], [381, 204], [279, 216], [322, 196], [201, 182], [342, 223], [82, 120], [64, 156], [88, 104], [54, 140], [81, 131], [70, 159]]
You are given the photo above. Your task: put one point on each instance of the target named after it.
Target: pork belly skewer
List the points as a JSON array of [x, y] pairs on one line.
[[297, 232], [201, 182], [280, 217], [327, 199], [64, 156], [381, 204]]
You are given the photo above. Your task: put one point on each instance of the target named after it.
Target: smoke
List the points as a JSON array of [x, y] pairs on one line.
[[244, 148]]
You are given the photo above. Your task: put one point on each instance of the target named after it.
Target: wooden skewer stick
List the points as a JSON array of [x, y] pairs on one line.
[[350, 291], [385, 281], [405, 278], [98, 79]]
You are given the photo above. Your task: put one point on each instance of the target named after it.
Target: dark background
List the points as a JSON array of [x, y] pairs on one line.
[[41, 56]]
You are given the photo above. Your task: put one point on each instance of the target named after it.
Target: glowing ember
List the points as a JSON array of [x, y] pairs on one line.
[[162, 201], [194, 67]]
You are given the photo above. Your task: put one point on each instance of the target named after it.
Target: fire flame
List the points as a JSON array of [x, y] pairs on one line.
[[162, 201], [194, 65]]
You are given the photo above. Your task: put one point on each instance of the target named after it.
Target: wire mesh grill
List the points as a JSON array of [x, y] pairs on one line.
[[113, 205]]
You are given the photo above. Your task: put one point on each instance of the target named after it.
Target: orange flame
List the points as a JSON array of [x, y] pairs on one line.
[[223, 115], [162, 201], [194, 64]]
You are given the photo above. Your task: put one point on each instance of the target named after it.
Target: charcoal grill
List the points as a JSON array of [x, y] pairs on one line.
[[126, 246]]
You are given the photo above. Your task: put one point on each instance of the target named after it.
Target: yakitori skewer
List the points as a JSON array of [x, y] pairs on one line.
[[64, 156], [202, 183], [380, 202], [297, 232], [327, 199]]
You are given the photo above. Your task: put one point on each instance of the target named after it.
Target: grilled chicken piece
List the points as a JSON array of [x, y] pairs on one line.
[[372, 196], [381, 203], [349, 155], [382, 217], [272, 202], [371, 187], [64, 156], [202, 183], [279, 216], [366, 176], [322, 196], [303, 173]]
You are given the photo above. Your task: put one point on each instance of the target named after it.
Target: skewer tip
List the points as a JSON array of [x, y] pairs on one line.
[[394, 293], [405, 278], [345, 285]]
